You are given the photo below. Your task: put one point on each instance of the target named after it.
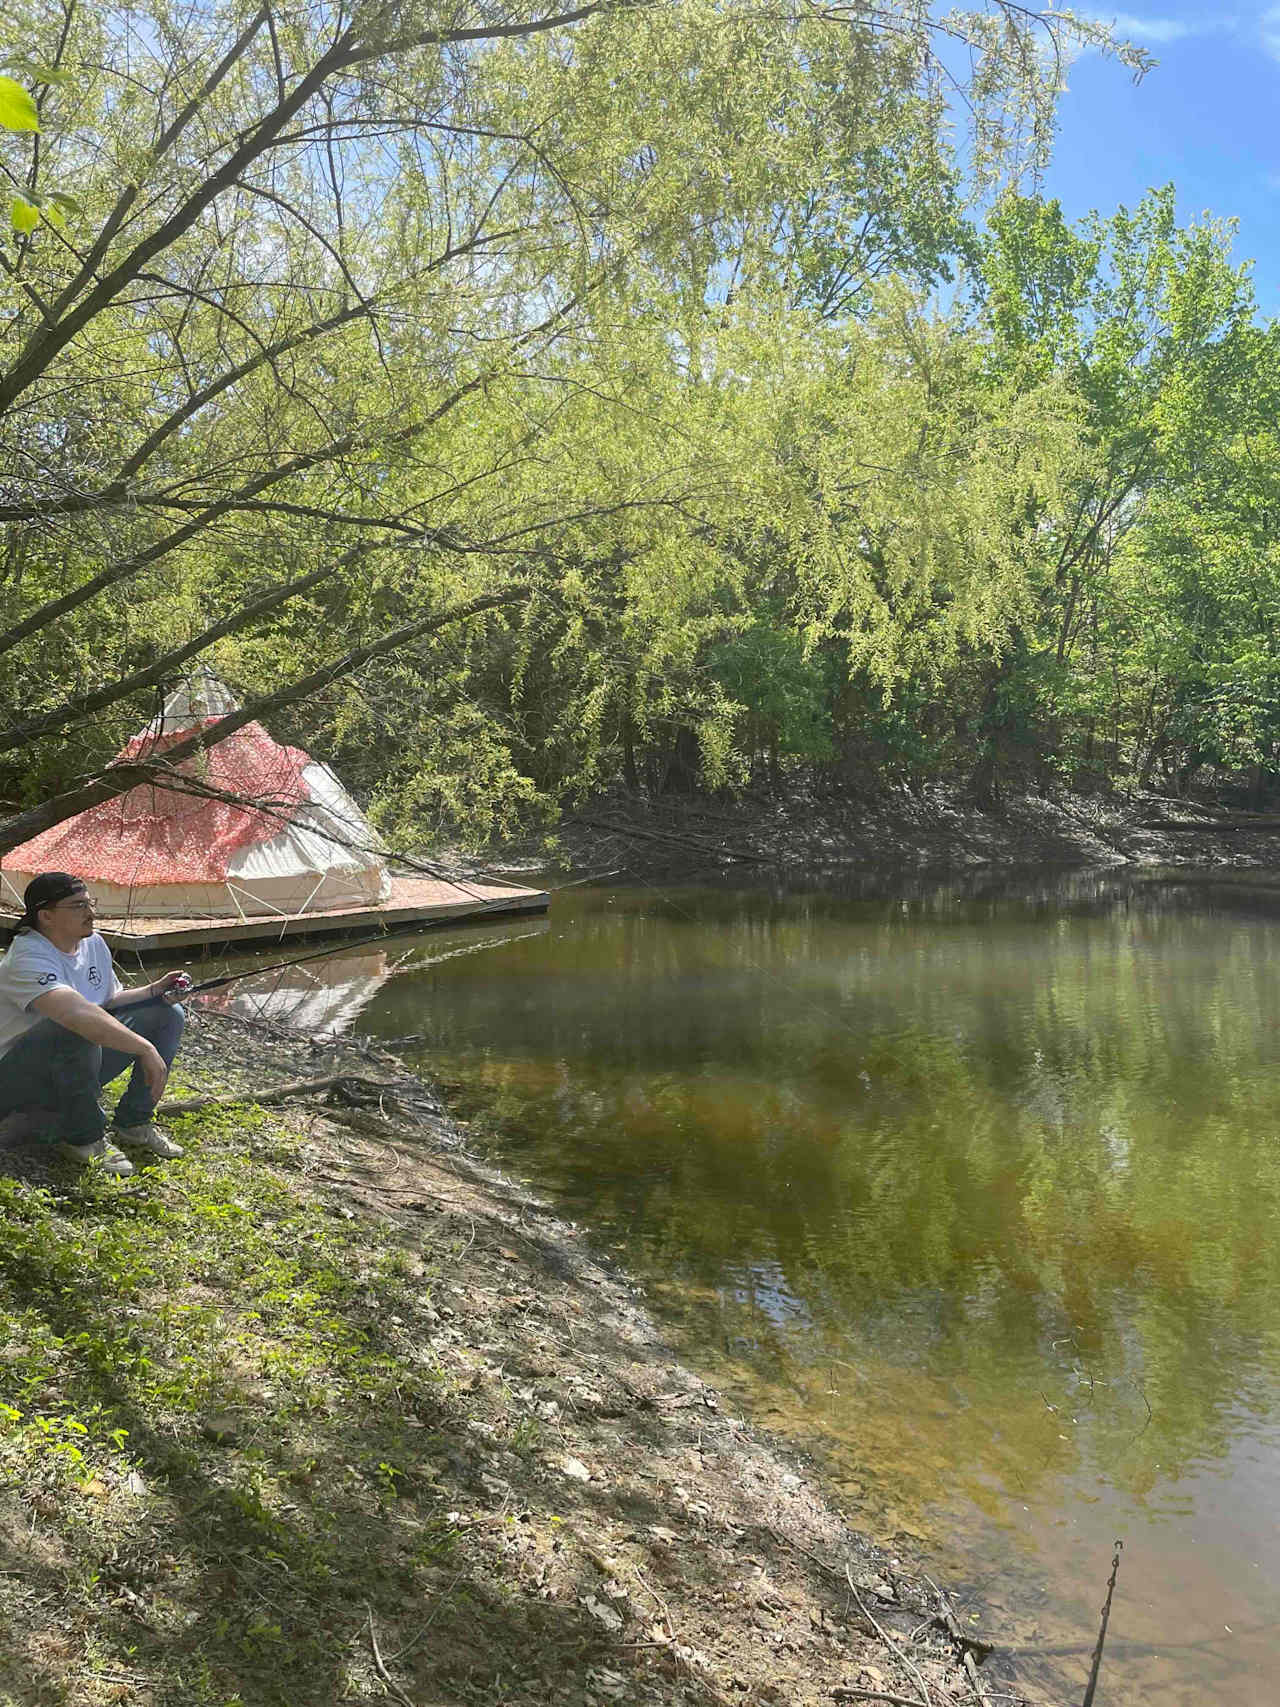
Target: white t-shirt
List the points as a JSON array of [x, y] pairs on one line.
[[33, 967]]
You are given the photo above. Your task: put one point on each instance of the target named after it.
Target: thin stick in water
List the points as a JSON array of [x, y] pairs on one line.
[[1102, 1632]]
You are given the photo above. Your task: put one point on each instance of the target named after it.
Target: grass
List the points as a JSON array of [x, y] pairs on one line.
[[262, 1448], [218, 1436]]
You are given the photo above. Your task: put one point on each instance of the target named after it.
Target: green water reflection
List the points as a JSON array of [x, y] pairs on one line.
[[978, 1197]]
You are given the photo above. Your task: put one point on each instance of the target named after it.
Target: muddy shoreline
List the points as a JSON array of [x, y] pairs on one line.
[[697, 1558], [570, 1513], [929, 832]]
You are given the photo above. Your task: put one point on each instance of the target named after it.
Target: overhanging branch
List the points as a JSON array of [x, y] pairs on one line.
[[119, 779]]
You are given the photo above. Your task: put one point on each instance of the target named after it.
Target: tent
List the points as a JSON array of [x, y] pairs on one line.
[[261, 830]]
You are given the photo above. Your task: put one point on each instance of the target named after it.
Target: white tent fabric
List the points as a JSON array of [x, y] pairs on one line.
[[299, 844]]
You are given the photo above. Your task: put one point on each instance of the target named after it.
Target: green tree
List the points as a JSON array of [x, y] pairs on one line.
[[301, 380], [1150, 327]]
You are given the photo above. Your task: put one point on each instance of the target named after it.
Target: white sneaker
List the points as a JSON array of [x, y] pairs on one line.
[[109, 1159], [149, 1137]]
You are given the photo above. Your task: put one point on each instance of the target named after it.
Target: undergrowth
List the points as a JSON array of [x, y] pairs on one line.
[[217, 1431]]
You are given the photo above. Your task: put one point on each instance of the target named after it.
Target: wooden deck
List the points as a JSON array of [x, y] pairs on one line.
[[426, 900]]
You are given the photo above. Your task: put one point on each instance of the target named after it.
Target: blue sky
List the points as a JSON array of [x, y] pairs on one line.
[[1205, 119]]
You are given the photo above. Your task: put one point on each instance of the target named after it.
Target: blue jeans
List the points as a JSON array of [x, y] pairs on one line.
[[54, 1076]]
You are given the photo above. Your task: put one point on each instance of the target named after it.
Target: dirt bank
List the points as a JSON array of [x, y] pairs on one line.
[[330, 1411]]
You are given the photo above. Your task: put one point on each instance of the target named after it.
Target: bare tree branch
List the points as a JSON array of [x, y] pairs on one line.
[[86, 705], [119, 779], [50, 340], [116, 573], [115, 219]]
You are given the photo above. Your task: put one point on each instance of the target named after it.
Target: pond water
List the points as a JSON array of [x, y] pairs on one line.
[[973, 1195]]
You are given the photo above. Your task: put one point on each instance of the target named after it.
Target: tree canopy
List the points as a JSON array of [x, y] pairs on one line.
[[517, 400]]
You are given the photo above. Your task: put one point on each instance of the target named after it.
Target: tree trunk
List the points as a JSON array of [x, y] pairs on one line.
[[684, 764], [630, 775], [984, 782]]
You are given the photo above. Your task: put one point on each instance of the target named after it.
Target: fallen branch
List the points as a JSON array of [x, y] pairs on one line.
[[673, 1647], [822, 1564], [394, 1688], [672, 839], [961, 1641], [274, 1094], [847, 1692], [887, 1639], [1213, 824], [1102, 1632], [366, 1125], [277, 1028]]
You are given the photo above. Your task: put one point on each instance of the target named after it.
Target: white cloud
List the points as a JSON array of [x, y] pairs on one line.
[[1130, 28], [1161, 31], [1269, 23]]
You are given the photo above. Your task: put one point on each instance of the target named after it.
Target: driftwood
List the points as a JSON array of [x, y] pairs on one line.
[[671, 838], [380, 1664], [363, 1120], [925, 1698], [278, 1093], [847, 1692], [1229, 825]]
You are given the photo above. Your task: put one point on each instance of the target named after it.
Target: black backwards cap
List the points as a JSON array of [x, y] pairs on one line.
[[48, 889]]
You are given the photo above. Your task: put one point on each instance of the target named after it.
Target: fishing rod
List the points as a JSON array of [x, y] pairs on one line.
[[414, 927], [207, 985]]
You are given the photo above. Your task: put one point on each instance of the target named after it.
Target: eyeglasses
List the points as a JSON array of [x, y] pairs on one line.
[[84, 903]]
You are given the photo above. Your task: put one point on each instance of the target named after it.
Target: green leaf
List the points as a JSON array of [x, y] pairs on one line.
[[69, 204], [17, 109], [23, 215], [35, 71]]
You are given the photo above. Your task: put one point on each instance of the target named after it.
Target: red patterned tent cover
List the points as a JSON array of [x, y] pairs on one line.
[[259, 829]]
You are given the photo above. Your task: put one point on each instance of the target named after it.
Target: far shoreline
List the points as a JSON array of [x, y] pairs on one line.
[[929, 832]]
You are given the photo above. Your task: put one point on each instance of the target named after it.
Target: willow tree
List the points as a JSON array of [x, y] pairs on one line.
[[295, 298]]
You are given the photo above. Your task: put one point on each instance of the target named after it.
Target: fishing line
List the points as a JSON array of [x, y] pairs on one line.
[[413, 927], [207, 985]]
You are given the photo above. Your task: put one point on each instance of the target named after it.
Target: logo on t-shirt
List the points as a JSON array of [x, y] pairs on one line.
[[49, 978], [95, 975]]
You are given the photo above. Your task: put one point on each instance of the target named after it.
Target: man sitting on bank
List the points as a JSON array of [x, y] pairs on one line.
[[66, 1029]]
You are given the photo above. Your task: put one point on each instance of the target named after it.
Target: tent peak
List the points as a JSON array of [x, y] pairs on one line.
[[195, 699]]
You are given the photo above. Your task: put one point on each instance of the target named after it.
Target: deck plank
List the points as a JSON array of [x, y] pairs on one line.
[[431, 900]]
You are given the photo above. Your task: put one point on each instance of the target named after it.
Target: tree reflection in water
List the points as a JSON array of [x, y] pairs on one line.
[[975, 1188]]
